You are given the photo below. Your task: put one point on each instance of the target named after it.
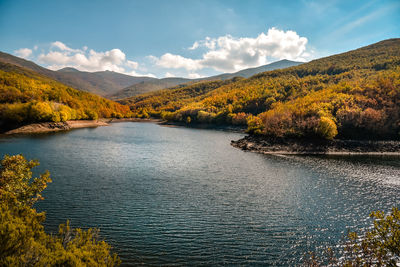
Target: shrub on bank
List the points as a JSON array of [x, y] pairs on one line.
[[23, 241]]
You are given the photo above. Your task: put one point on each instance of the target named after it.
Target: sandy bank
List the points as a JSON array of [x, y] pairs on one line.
[[264, 145], [45, 127]]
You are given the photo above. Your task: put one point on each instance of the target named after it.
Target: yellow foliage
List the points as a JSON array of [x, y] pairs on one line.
[[23, 239], [358, 90], [326, 128], [26, 96]]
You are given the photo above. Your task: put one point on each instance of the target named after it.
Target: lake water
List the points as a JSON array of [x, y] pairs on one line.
[[179, 196]]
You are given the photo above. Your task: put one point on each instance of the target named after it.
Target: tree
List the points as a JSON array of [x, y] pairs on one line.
[[326, 128], [23, 241], [379, 246]]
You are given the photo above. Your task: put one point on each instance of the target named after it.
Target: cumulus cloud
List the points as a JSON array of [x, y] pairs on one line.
[[169, 75], [194, 76], [171, 61], [228, 54], [23, 52], [59, 55], [134, 73], [63, 47]]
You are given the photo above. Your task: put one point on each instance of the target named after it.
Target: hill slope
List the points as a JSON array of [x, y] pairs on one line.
[[246, 73], [351, 95], [102, 83], [26, 96], [158, 84]]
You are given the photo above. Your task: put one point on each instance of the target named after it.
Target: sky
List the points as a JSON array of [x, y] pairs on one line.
[[189, 38]]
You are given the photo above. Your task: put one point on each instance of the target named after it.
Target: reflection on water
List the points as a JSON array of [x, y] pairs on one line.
[[164, 195]]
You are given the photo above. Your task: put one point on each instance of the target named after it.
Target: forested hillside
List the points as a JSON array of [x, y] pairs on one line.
[[350, 95], [159, 84], [101, 82], [26, 96]]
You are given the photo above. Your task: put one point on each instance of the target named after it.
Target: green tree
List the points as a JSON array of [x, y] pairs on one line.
[[23, 241], [379, 246]]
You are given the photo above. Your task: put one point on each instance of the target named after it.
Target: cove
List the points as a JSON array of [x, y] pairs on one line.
[[172, 195]]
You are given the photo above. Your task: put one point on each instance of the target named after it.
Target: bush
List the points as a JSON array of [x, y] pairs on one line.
[[17, 112], [91, 115], [41, 111], [23, 241], [379, 246], [326, 128], [239, 118], [254, 125]]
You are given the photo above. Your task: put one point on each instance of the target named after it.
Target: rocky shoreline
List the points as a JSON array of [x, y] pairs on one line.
[[287, 146]]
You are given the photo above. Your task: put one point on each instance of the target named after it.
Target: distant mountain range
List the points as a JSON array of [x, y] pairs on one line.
[[101, 83], [116, 85], [158, 84]]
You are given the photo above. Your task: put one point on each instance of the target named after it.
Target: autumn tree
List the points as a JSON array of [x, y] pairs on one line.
[[23, 241]]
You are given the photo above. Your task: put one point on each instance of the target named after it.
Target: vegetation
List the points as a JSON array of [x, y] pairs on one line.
[[350, 95], [101, 82], [163, 103], [26, 96], [379, 246], [23, 241], [158, 84]]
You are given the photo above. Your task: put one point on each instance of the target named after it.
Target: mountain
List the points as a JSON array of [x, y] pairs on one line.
[[350, 95], [149, 86], [102, 83], [27, 96], [158, 84], [117, 85], [246, 73]]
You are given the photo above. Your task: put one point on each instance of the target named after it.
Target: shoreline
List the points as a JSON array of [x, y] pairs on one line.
[[249, 143], [292, 146], [49, 127]]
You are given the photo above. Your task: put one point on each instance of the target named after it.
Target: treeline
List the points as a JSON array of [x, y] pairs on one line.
[[350, 95], [23, 241], [26, 96], [161, 103]]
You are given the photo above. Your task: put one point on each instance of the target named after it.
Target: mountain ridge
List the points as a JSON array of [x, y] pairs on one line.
[[115, 85], [153, 85], [354, 94]]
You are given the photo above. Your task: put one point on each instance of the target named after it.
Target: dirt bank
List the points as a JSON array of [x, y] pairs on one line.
[[45, 127], [265, 145]]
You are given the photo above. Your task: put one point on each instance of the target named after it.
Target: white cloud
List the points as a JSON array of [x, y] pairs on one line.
[[171, 61], [23, 52], [228, 54], [194, 76], [63, 47], [132, 64], [60, 56], [134, 73], [169, 75]]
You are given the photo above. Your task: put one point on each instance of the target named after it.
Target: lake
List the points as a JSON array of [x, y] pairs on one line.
[[182, 196]]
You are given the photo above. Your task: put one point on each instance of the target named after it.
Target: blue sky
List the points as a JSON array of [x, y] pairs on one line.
[[189, 38]]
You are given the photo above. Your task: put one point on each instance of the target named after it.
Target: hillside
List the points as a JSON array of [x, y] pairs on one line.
[[158, 84], [102, 83], [350, 95], [26, 96], [149, 86], [247, 73]]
